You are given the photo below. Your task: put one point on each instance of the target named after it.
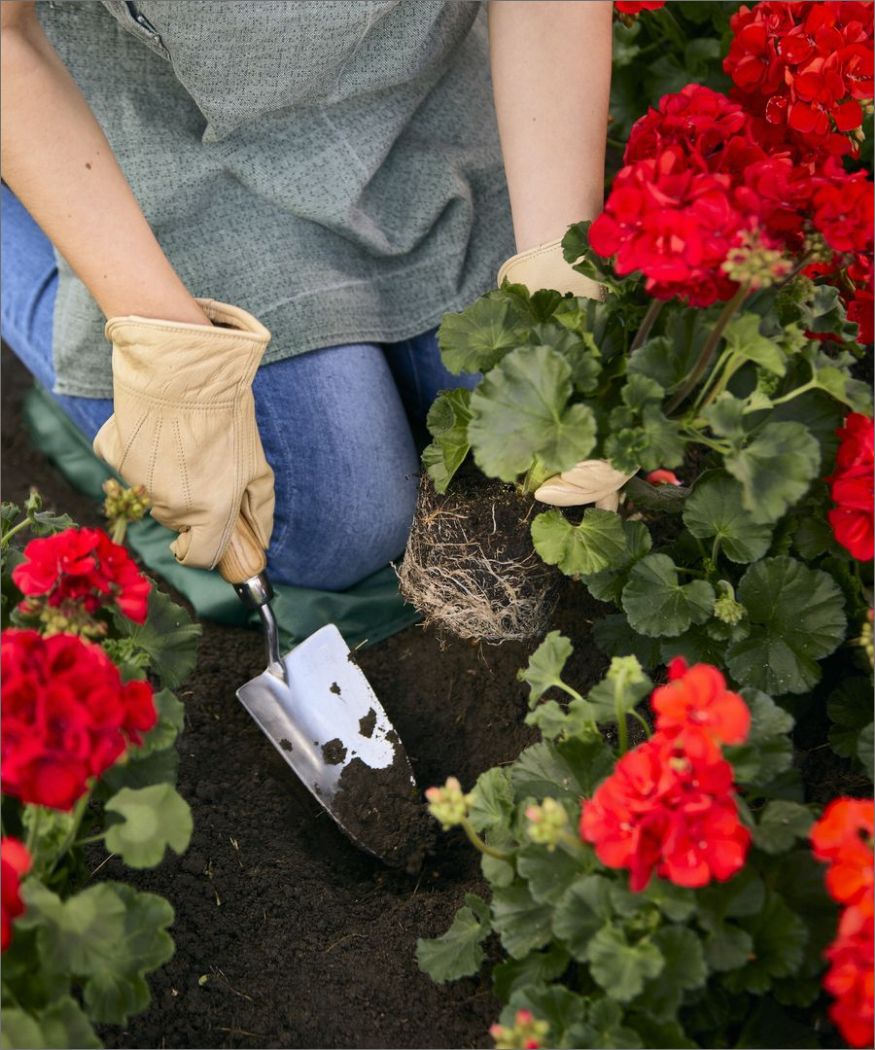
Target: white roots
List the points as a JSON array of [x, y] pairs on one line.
[[460, 579]]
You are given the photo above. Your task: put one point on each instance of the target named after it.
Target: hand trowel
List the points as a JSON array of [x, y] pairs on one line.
[[320, 713]]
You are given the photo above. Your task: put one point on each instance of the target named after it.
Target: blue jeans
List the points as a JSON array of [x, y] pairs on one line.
[[337, 424]]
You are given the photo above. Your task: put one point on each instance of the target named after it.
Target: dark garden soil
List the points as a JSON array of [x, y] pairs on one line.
[[286, 934]]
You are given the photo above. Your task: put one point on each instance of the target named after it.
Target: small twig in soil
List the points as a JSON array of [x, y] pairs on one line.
[[241, 1031]]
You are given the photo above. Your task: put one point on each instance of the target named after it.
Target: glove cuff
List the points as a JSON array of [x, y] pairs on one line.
[[544, 266]]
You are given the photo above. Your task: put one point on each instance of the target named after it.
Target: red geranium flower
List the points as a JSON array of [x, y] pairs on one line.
[[634, 7], [67, 716], [84, 568], [801, 69], [843, 838], [15, 862], [851, 487], [666, 811], [850, 977], [662, 477], [697, 709]]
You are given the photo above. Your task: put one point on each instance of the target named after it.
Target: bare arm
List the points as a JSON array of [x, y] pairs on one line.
[[57, 161], [551, 75]]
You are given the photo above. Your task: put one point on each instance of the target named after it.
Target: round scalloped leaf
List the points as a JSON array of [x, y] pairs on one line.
[[797, 617], [714, 508], [658, 605]]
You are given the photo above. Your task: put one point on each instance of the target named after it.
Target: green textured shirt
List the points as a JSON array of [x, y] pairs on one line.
[[333, 167]]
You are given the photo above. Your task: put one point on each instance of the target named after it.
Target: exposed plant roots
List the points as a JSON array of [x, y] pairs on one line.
[[470, 566]]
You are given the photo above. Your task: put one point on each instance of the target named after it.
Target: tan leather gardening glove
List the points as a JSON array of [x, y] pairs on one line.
[[544, 266], [184, 426]]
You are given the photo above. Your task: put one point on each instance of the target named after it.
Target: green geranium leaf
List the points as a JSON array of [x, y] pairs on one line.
[[562, 1009], [797, 617], [581, 913], [521, 922], [540, 771], [171, 720], [622, 689], [545, 665], [153, 818], [725, 416], [549, 718], [77, 934], [60, 1025], [608, 584], [684, 969], [780, 824], [658, 605], [477, 338], [604, 1027], [159, 767], [622, 968], [447, 423], [615, 637], [597, 543], [458, 952], [770, 1025], [520, 412], [117, 988], [714, 509], [866, 747], [850, 709], [775, 469], [48, 833], [768, 750], [577, 348], [779, 938], [491, 800], [744, 339], [548, 874], [727, 947], [168, 636], [537, 967]]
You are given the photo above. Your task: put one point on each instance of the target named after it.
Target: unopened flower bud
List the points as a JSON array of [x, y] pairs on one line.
[[448, 804], [726, 608], [753, 262], [866, 639], [527, 1033], [547, 823], [626, 667], [123, 504]]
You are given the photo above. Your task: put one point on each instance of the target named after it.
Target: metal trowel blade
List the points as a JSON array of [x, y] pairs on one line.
[[323, 717]]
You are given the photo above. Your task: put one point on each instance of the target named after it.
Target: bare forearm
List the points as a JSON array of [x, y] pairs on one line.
[[58, 162], [551, 74]]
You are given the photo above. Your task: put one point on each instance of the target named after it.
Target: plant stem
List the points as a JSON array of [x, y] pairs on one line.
[[622, 725], [573, 693], [715, 550], [709, 349], [119, 528], [475, 840], [643, 722], [91, 838], [647, 324], [16, 528], [810, 385]]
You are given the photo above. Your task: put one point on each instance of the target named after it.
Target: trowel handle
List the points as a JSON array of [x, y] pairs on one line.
[[244, 556]]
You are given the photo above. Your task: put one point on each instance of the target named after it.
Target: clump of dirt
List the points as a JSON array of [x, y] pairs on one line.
[[382, 810], [333, 752], [470, 565], [368, 723]]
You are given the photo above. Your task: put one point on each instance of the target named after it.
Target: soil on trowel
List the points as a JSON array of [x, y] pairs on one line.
[[382, 810], [333, 753], [368, 723], [287, 934]]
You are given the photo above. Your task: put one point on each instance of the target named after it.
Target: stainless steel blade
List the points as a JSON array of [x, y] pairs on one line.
[[324, 717]]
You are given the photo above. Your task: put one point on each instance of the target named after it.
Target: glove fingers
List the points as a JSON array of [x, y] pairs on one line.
[[197, 546], [106, 443], [257, 505]]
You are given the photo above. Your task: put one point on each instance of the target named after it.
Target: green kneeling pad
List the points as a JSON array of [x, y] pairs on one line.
[[365, 614]]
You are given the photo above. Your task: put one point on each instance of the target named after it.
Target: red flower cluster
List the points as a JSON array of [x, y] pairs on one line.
[[668, 806], [852, 487], [801, 70], [84, 569], [700, 204], [843, 837], [67, 716], [15, 862], [634, 7]]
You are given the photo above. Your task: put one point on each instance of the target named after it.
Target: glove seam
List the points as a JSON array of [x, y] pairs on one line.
[[127, 448], [200, 406], [183, 467]]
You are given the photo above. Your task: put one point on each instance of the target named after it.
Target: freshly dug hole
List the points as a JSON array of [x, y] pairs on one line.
[[470, 565]]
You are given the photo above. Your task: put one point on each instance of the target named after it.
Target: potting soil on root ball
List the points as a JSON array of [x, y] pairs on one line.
[[470, 565]]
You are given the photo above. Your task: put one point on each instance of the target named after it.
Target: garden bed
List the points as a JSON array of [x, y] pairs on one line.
[[286, 934]]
